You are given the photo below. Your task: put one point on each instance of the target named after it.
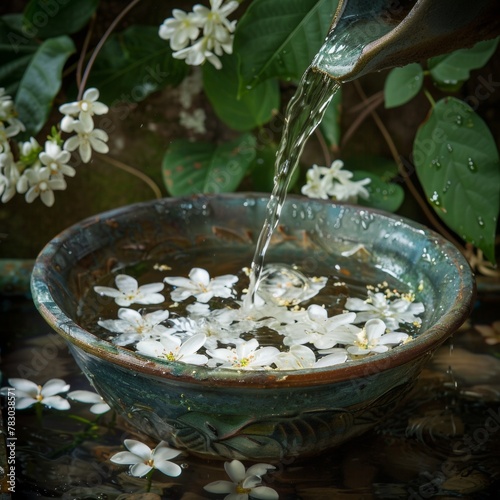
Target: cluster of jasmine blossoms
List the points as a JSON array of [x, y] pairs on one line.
[[216, 328], [35, 171], [334, 183], [201, 35]]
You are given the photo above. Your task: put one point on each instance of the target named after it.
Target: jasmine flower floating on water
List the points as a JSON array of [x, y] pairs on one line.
[[143, 460], [371, 338], [29, 393], [318, 329], [200, 286], [173, 349], [299, 357], [129, 291], [392, 312], [244, 484], [98, 405], [245, 356], [133, 326]]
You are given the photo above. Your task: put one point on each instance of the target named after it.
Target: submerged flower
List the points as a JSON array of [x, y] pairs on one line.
[[245, 356], [133, 326], [372, 338], [28, 393], [129, 291], [243, 484], [98, 405], [200, 286], [142, 459], [392, 312], [173, 349]]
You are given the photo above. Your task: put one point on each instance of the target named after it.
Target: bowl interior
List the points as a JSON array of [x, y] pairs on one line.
[[347, 240]]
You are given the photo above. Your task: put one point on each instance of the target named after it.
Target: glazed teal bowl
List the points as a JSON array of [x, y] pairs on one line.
[[258, 415]]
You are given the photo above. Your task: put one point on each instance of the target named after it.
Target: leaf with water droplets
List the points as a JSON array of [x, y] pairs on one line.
[[465, 190], [403, 84]]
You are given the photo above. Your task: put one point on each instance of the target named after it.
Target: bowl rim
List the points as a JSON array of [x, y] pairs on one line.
[[419, 348]]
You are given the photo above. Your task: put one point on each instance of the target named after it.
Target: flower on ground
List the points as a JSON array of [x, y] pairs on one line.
[[245, 356], [173, 349], [319, 329], [129, 291], [200, 286], [372, 338], [134, 326], [29, 393], [243, 484], [217, 32], [142, 459], [392, 312], [85, 108], [98, 405], [323, 182]]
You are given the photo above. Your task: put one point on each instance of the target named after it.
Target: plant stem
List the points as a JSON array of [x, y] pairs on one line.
[[39, 413], [149, 477], [83, 53], [430, 98], [100, 44]]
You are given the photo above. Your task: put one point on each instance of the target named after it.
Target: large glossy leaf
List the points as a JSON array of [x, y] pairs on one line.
[[134, 64], [253, 109], [276, 38], [50, 18], [403, 84], [200, 167], [454, 68], [458, 165], [41, 82]]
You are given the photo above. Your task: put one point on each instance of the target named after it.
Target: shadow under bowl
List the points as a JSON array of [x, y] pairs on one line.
[[262, 415]]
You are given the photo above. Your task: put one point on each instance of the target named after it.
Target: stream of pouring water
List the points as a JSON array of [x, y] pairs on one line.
[[303, 114]]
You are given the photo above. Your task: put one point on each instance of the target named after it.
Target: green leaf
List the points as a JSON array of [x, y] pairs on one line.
[[16, 52], [386, 196], [458, 165], [51, 18], [252, 109], [134, 64], [453, 69], [276, 38], [200, 167], [330, 123], [403, 84], [41, 82]]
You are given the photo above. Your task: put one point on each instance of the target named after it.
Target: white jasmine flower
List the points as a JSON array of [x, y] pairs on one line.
[[318, 182], [10, 176], [129, 291], [336, 356], [243, 484], [41, 184], [215, 20], [142, 459], [180, 29], [299, 357], [28, 393], [246, 356], [98, 405], [216, 331], [55, 159], [200, 286], [350, 190], [318, 329], [133, 326], [173, 349], [194, 121], [372, 338], [87, 139], [85, 109], [393, 313], [189, 87], [205, 49]]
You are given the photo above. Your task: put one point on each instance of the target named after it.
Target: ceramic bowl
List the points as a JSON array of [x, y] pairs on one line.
[[254, 415]]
